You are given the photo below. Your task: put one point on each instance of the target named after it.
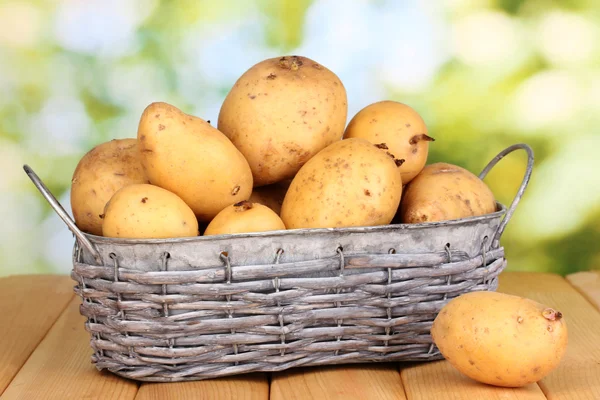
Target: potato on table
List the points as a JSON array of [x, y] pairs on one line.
[[500, 339], [99, 174]]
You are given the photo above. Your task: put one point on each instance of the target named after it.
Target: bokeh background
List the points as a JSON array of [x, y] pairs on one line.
[[483, 74]]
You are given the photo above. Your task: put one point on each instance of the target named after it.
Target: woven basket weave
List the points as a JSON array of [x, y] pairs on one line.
[[203, 307]]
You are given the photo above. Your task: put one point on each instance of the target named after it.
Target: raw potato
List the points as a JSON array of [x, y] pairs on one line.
[[244, 217], [500, 339], [281, 112], [400, 127], [349, 183], [444, 192], [271, 195], [144, 211], [99, 174], [187, 156]]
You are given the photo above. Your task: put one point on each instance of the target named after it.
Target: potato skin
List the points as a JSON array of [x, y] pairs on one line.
[[281, 112], [400, 127], [349, 183], [187, 156], [244, 217], [102, 171], [444, 192], [500, 339], [144, 211]]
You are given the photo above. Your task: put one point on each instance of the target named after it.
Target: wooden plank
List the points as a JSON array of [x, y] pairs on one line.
[[60, 367], [439, 380], [364, 381], [578, 375], [243, 387], [588, 284], [29, 305]]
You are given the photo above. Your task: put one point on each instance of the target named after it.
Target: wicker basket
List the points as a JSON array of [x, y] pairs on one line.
[[204, 307]]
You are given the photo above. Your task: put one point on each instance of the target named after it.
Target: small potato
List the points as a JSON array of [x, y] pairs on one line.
[[144, 211], [400, 127], [99, 174], [281, 112], [271, 195], [444, 192], [500, 339], [187, 156], [244, 217], [349, 183]]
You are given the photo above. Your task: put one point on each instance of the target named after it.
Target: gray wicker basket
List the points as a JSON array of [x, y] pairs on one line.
[[204, 307]]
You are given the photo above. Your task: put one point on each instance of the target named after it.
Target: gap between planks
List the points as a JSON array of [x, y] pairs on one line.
[[60, 367], [29, 305], [588, 284], [254, 386], [357, 381]]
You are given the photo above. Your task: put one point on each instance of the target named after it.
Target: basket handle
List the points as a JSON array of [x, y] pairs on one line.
[[524, 183], [58, 208]]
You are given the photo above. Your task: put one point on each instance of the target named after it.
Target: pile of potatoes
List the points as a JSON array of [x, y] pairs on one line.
[[280, 157]]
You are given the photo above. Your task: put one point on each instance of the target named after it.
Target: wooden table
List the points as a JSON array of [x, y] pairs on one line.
[[45, 354]]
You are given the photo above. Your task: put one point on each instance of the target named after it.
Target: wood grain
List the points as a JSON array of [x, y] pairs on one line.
[[441, 381], [60, 366], [29, 305], [588, 284], [246, 387], [578, 375], [365, 381]]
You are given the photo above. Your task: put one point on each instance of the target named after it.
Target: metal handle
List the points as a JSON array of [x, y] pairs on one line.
[[524, 183], [58, 208]]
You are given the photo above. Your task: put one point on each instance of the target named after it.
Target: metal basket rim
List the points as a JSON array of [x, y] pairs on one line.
[[501, 210]]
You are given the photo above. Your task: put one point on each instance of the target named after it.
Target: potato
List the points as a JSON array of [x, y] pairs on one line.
[[281, 112], [400, 127], [144, 211], [244, 217], [443, 192], [271, 195], [187, 156], [500, 339], [349, 183], [99, 174]]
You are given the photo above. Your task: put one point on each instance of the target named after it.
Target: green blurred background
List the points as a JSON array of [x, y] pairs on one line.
[[483, 74]]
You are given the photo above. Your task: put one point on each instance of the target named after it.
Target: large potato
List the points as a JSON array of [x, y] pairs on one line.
[[187, 156], [99, 174], [144, 211], [443, 192], [350, 183], [244, 217], [281, 112], [500, 339], [400, 127]]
